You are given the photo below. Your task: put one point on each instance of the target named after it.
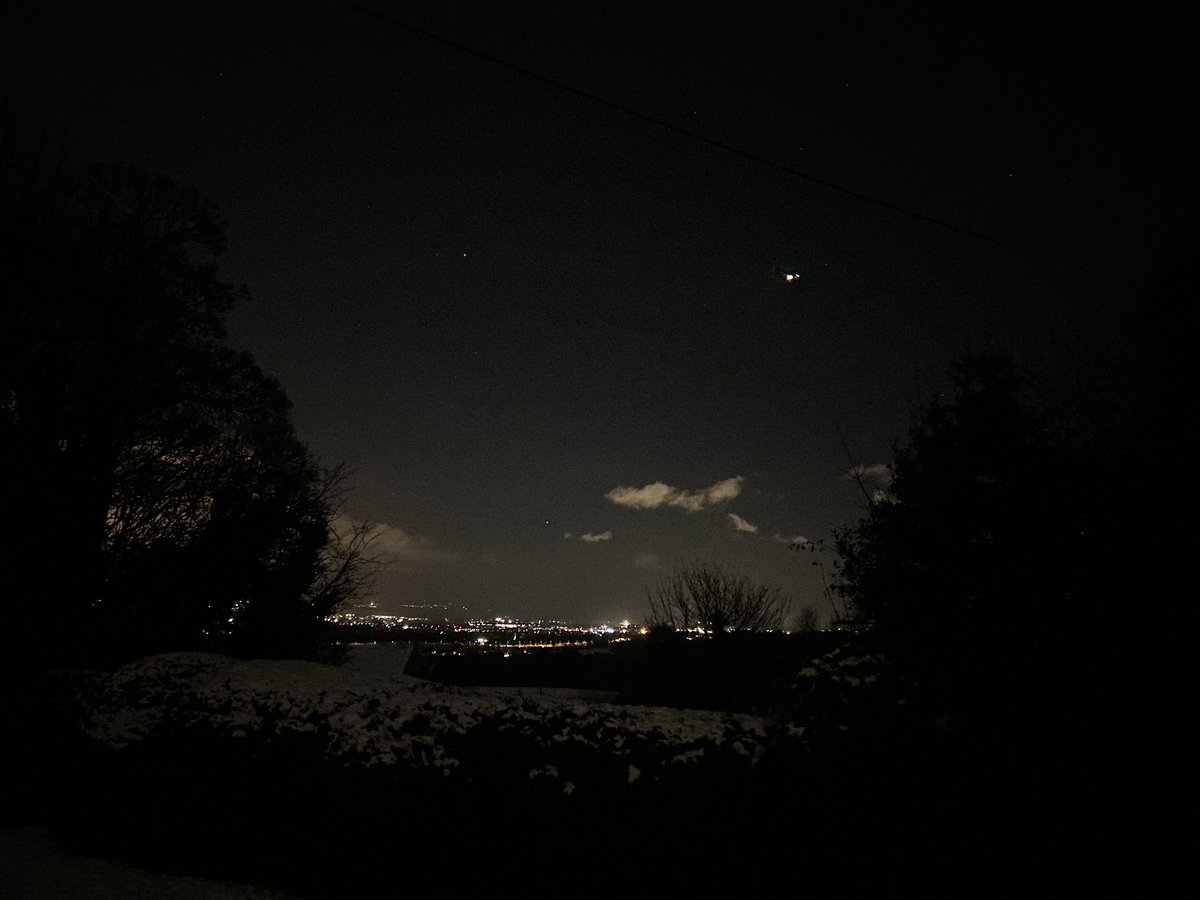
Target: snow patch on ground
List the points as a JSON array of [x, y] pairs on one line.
[[367, 712]]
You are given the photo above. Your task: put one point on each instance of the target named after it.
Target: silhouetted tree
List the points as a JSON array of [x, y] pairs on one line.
[[965, 567], [1022, 515], [809, 619], [1026, 524], [705, 596], [155, 493], [957, 532]]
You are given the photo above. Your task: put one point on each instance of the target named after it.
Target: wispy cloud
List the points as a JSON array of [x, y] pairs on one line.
[[393, 545], [651, 496], [798, 540], [741, 524], [657, 494], [880, 473], [588, 537]]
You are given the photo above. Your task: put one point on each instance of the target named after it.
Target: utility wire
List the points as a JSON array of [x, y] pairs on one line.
[[730, 148]]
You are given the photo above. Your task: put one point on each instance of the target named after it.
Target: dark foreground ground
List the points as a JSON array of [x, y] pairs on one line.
[[852, 784]]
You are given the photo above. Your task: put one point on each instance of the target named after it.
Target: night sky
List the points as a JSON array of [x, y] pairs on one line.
[[518, 265]]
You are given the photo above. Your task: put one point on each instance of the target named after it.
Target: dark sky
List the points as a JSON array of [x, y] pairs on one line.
[[499, 300]]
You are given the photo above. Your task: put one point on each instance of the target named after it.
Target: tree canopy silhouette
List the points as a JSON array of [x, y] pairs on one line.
[[962, 531], [1023, 569], [1024, 517], [155, 493]]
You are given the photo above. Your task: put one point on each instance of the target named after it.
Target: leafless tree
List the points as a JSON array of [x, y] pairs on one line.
[[348, 564], [704, 596], [809, 619]]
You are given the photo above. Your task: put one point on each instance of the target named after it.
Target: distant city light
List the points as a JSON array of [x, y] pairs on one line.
[[499, 632]]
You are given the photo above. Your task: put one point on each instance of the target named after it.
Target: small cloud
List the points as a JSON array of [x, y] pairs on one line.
[[590, 537], [741, 524], [651, 496], [723, 490], [658, 494], [647, 561], [798, 540]]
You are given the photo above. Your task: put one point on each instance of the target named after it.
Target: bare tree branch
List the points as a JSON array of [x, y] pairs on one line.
[[705, 597], [348, 567]]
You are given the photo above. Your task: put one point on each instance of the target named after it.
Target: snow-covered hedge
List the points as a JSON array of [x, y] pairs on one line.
[[357, 772], [370, 720]]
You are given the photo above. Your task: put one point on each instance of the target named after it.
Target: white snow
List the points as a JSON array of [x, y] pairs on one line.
[[370, 713], [366, 712]]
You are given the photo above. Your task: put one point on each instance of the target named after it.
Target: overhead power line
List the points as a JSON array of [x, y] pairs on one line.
[[731, 149]]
